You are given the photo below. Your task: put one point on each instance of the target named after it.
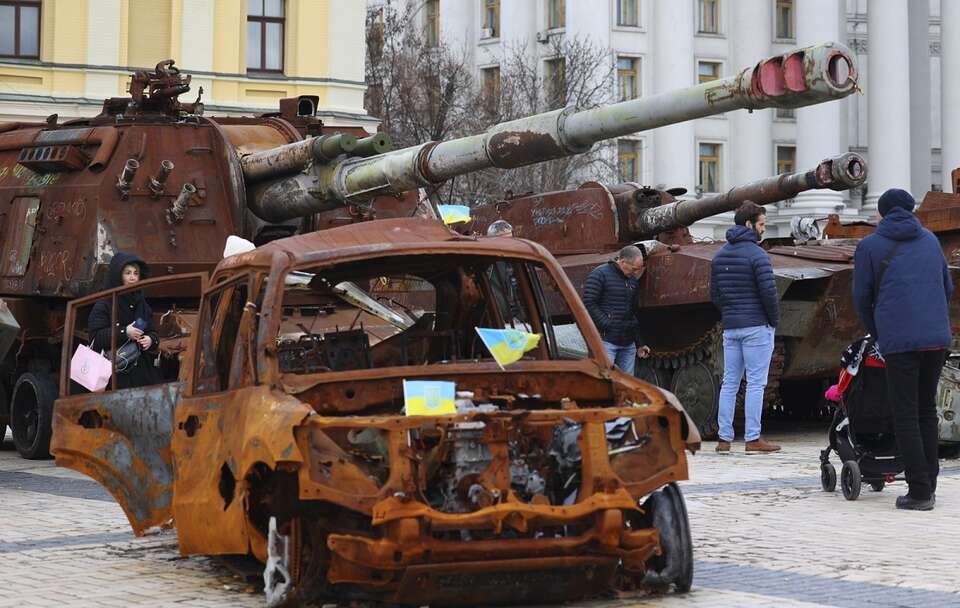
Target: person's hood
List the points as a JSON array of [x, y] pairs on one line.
[[738, 234], [121, 259], [899, 225]]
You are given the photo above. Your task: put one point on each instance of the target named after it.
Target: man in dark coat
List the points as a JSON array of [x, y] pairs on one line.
[[743, 288], [902, 289], [611, 296], [133, 310]]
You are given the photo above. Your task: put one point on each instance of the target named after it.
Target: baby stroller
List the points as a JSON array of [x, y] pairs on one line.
[[862, 431]]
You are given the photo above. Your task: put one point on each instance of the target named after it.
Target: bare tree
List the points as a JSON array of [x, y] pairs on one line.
[[419, 91], [423, 92]]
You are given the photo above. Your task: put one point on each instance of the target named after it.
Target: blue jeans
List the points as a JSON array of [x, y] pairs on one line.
[[744, 349], [624, 357]]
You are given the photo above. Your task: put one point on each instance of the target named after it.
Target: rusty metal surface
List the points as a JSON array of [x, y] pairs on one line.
[[948, 403], [122, 440]]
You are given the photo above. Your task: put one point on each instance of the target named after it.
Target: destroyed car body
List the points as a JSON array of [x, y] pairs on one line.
[[285, 437]]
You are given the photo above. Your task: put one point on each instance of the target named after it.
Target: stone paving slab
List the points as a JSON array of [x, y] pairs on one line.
[[765, 535]]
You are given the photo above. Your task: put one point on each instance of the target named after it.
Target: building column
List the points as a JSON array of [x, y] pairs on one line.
[[820, 128], [674, 153], [888, 98], [921, 162], [751, 141], [103, 49], [949, 90]]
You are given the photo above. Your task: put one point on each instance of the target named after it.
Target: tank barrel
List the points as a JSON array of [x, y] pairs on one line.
[[841, 172], [798, 78], [295, 156], [378, 143]]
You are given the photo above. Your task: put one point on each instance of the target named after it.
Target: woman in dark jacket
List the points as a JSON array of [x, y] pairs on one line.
[[133, 310]]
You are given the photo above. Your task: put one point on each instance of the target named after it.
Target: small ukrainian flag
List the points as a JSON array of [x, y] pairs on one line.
[[454, 214], [429, 398], [507, 345]]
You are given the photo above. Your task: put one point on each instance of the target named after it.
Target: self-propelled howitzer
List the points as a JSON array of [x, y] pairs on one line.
[[799, 78]]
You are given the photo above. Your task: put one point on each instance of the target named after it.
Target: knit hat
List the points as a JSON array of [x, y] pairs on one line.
[[895, 197]]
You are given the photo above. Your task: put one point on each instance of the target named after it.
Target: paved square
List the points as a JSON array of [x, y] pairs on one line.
[[764, 535]]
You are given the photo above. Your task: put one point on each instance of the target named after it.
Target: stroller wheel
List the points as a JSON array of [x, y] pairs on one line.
[[877, 486], [828, 477], [850, 480]]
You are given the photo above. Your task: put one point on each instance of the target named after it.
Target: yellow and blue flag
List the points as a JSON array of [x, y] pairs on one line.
[[429, 398], [454, 214], [507, 345]]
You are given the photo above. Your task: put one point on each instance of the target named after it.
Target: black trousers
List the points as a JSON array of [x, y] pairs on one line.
[[912, 388]]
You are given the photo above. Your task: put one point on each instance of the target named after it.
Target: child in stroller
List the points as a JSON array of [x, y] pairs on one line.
[[861, 432]]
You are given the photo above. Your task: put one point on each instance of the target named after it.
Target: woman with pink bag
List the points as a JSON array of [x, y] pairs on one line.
[[137, 339]]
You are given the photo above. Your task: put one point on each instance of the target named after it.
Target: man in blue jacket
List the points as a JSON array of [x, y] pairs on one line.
[[610, 295], [743, 288], [902, 289]]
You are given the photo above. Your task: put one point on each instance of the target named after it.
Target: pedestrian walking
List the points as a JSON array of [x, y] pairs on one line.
[[611, 295], [743, 288], [902, 289]]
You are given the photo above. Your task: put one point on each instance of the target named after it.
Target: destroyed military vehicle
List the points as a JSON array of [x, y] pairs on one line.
[[284, 436]]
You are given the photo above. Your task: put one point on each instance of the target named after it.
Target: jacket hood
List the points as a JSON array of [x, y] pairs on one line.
[[738, 234], [899, 225], [121, 259]]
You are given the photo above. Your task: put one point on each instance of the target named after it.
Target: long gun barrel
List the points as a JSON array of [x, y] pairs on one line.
[[799, 78], [841, 172]]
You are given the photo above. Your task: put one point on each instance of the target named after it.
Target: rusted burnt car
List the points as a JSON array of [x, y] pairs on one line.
[[285, 437]]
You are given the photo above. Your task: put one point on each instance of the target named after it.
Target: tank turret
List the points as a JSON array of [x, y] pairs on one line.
[[799, 78]]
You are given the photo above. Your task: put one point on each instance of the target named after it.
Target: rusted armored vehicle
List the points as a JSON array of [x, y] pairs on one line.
[[285, 436], [150, 175], [681, 324], [155, 176]]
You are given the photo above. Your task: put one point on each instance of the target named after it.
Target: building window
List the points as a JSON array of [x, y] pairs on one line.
[[707, 71], [786, 159], [786, 113], [431, 24], [20, 29], [628, 12], [556, 74], [710, 167], [709, 22], [628, 75], [491, 18], [265, 35], [628, 154], [556, 14], [785, 19], [490, 78]]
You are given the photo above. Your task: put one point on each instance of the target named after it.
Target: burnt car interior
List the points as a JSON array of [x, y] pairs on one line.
[[404, 311]]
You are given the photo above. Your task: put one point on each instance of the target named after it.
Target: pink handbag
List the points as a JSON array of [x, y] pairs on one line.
[[90, 369]]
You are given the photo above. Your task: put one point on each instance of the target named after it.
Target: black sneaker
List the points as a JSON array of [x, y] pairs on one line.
[[912, 504]]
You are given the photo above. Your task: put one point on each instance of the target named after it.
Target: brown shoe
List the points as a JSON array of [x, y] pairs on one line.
[[723, 446], [761, 445]]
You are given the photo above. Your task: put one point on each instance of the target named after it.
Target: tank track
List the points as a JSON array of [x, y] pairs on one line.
[[707, 347]]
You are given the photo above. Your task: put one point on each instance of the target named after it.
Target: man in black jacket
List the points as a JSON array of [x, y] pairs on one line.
[[743, 288], [610, 295]]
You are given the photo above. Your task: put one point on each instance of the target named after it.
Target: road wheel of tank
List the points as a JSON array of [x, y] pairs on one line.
[[4, 411], [667, 512], [697, 388], [878, 486], [31, 414], [850, 480], [828, 477], [646, 371]]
